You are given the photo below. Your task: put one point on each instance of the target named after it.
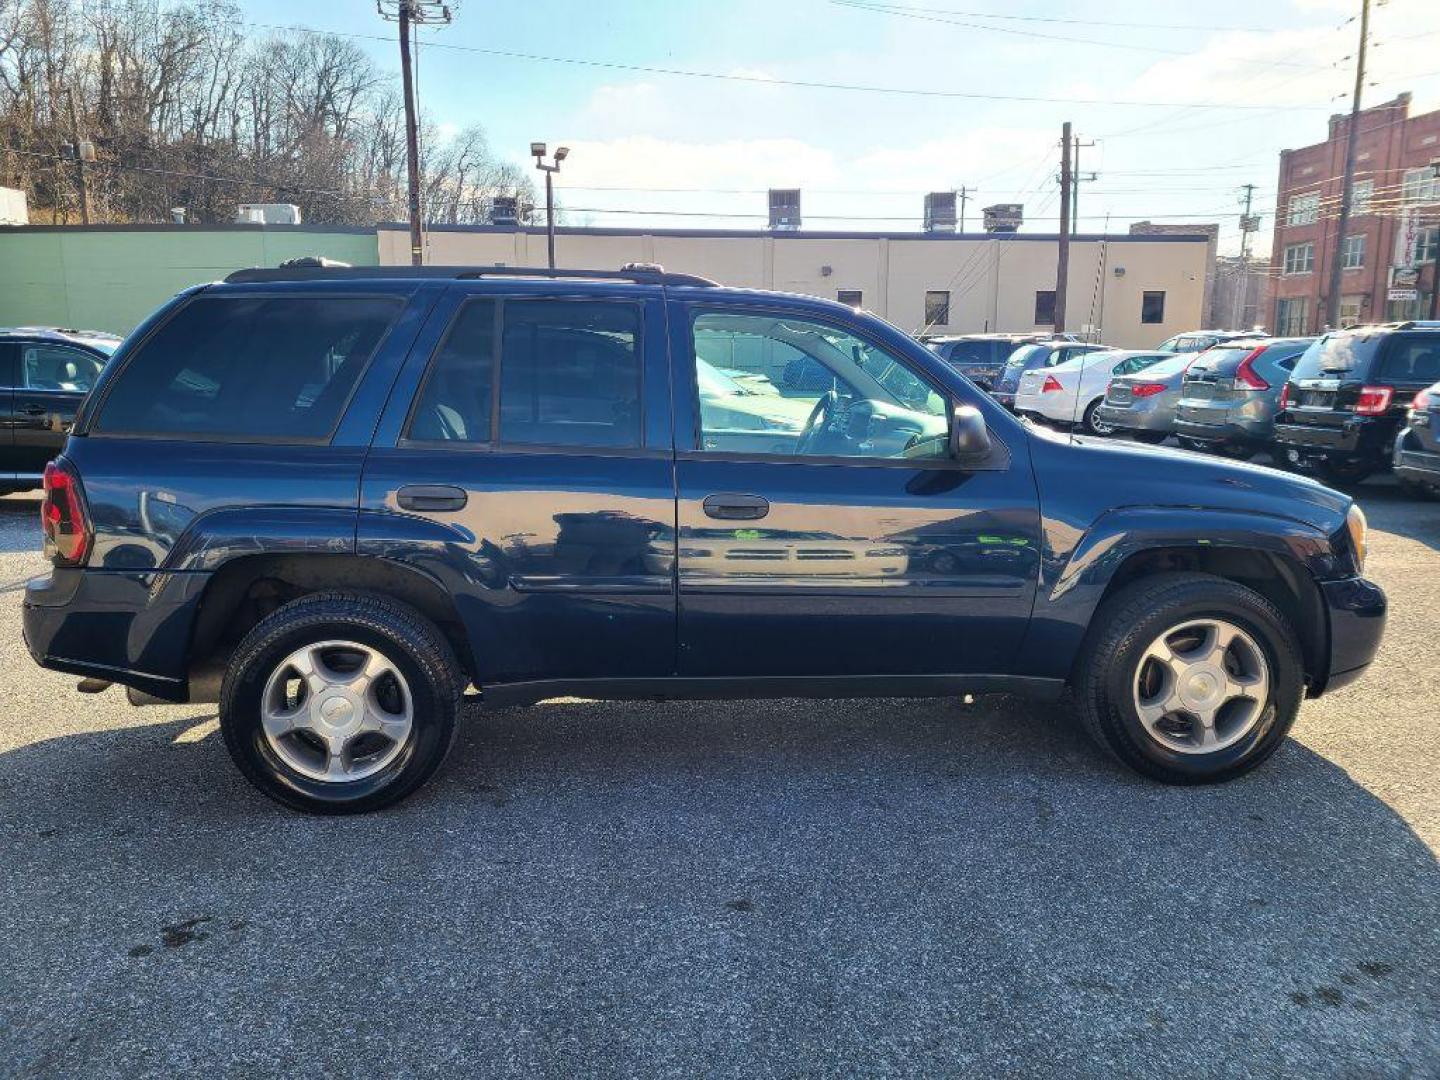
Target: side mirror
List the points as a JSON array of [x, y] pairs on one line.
[[969, 437]]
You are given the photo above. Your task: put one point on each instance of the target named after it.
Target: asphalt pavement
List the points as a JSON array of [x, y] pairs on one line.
[[757, 889]]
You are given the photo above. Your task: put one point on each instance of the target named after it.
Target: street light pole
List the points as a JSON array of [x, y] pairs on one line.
[[561, 152]]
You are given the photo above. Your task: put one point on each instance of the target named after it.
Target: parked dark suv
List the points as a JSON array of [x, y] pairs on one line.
[[1417, 447], [1346, 399], [46, 373], [981, 357], [354, 494]]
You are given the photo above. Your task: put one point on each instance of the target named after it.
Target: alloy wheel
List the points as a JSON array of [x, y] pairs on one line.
[[337, 711], [1201, 686]]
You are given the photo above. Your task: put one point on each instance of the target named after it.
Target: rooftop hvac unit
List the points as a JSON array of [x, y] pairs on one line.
[[1004, 217], [504, 210], [940, 211], [785, 208], [267, 214]]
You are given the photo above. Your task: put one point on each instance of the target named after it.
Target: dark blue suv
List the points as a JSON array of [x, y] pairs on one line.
[[335, 500]]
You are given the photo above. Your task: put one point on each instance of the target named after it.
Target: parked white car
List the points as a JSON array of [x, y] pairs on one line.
[[1071, 392]]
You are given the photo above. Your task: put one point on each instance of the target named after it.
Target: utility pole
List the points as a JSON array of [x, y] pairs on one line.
[[1062, 268], [964, 194], [84, 151], [1248, 225], [1075, 178], [1435, 262], [1347, 188], [407, 12]]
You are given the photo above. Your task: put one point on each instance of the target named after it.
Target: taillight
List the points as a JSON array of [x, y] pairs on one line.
[[1051, 383], [1374, 400], [64, 520], [1285, 397], [1246, 377], [1148, 389]]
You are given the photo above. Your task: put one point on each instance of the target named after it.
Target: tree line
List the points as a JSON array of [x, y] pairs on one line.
[[185, 109]]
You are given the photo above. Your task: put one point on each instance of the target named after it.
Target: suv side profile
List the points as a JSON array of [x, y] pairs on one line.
[[1346, 400], [337, 500], [981, 357]]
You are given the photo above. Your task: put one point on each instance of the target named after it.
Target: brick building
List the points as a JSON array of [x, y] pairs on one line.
[[1394, 222]]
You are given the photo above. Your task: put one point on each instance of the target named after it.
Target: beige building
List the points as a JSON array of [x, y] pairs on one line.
[[1134, 291]]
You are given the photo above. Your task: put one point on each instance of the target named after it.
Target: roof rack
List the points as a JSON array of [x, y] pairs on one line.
[[640, 273]]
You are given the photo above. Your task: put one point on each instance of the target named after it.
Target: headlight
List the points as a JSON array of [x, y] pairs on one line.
[[1357, 527]]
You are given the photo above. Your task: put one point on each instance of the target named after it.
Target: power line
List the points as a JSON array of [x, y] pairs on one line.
[[765, 80]]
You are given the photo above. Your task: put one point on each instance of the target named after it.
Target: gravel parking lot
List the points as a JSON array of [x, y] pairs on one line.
[[774, 888]]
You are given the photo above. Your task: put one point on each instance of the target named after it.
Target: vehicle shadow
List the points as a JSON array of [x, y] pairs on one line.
[[1390, 508], [777, 886], [20, 522]]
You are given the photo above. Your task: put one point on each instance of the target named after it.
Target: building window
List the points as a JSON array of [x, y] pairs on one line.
[[850, 297], [1291, 316], [1360, 196], [1352, 252], [1350, 311], [1300, 258], [1152, 307], [1426, 241], [1044, 307], [937, 308], [1303, 209], [1420, 185]]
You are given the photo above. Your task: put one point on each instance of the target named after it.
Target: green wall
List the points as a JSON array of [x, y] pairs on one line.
[[110, 278]]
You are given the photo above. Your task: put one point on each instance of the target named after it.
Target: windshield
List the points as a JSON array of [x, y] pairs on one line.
[[1170, 366], [1020, 357], [1335, 354]]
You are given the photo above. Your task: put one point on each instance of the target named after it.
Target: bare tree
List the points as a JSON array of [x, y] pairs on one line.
[[184, 109]]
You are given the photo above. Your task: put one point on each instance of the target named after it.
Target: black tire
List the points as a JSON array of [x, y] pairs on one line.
[[1123, 629], [1345, 471], [1151, 438], [406, 638], [1236, 451], [1415, 489], [1093, 424]]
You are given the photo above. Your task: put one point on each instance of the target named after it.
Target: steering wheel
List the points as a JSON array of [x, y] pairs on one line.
[[820, 415]]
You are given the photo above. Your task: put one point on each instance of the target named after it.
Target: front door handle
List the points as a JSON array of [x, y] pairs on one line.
[[35, 410], [736, 507], [431, 497]]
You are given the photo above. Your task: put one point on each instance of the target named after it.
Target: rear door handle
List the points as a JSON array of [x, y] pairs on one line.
[[736, 507], [431, 497], [35, 410]]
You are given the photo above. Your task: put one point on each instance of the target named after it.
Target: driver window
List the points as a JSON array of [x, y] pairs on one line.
[[768, 384], [54, 367]]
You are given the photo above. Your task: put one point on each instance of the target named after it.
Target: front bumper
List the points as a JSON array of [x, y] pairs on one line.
[[130, 627], [1356, 613]]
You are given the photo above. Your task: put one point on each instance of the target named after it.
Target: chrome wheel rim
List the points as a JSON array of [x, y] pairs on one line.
[[337, 711], [1201, 686]]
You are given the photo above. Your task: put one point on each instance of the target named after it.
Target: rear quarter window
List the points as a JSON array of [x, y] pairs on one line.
[[1412, 360], [270, 368]]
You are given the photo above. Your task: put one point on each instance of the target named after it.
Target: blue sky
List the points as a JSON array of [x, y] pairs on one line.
[[703, 150]]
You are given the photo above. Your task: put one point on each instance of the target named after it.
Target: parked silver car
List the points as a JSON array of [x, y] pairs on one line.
[[1143, 404], [1230, 394]]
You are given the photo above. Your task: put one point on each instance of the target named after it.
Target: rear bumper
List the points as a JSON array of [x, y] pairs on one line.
[[1228, 433], [1355, 438], [1135, 419], [1356, 611], [130, 627]]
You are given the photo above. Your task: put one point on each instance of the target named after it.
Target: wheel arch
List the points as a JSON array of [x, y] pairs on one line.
[[247, 588], [1279, 558]]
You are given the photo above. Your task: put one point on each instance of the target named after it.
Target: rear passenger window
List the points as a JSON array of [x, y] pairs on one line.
[[1414, 359], [569, 375], [260, 367]]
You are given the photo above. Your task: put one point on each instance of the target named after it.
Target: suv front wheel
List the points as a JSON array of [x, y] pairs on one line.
[[340, 703], [1189, 678]]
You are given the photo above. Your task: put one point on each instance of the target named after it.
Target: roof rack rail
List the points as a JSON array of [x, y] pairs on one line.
[[640, 273]]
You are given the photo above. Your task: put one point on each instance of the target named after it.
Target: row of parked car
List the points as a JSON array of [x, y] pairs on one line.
[[1344, 405]]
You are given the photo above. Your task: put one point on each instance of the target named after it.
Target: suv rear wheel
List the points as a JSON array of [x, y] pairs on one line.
[[1189, 678], [339, 703]]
